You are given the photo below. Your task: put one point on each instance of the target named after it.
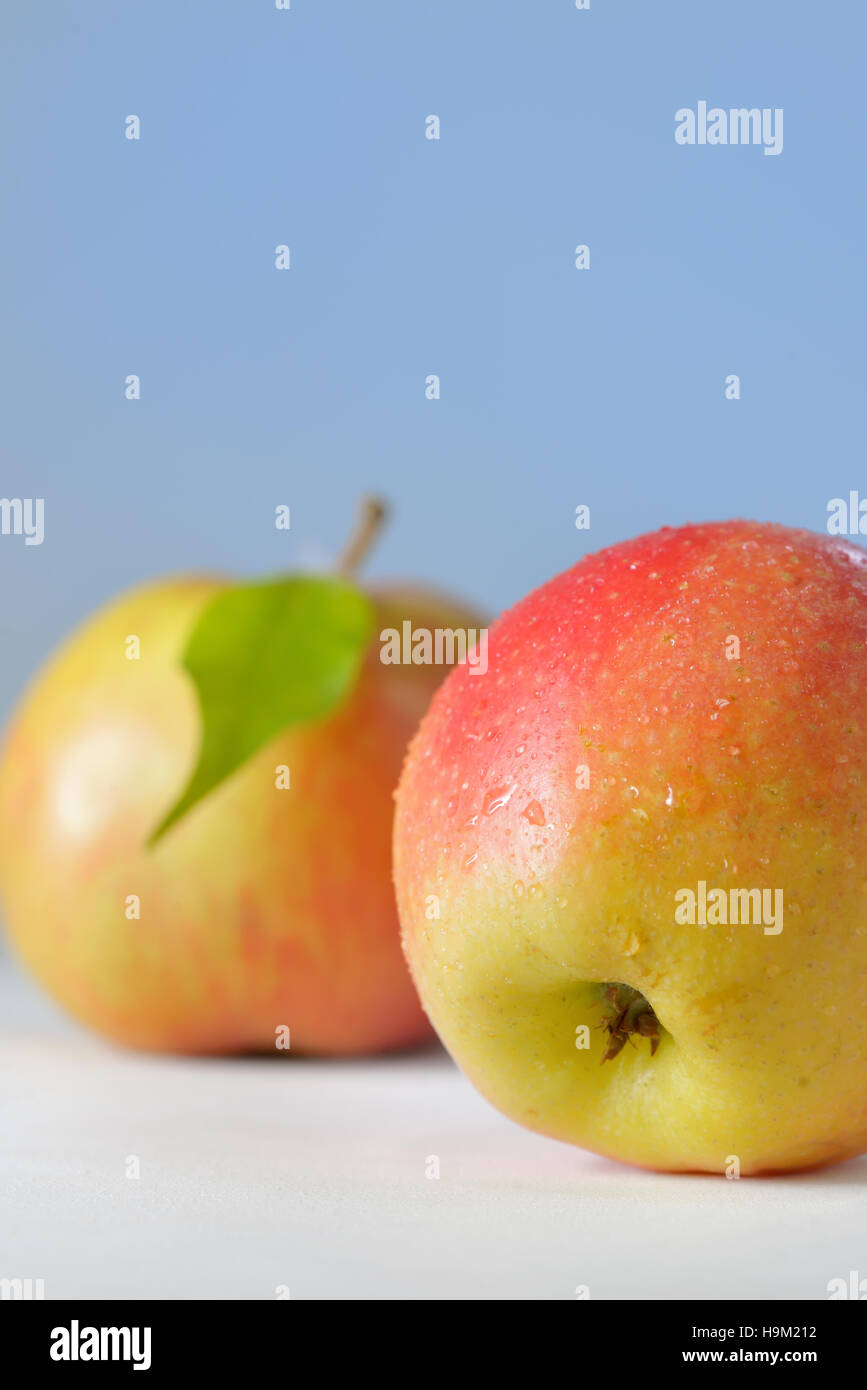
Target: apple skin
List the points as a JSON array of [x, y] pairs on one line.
[[260, 908], [745, 773]]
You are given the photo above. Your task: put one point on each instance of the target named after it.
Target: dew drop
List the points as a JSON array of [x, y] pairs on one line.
[[495, 800]]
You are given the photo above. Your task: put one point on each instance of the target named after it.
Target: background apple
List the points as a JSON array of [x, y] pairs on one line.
[[260, 906], [689, 706]]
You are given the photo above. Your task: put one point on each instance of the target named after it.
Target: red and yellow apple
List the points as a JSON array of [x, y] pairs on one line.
[[262, 908], [685, 713]]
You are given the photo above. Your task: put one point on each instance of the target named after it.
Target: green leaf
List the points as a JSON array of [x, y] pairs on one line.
[[264, 657]]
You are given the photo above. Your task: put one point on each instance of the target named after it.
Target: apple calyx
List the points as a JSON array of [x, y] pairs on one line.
[[629, 1013]]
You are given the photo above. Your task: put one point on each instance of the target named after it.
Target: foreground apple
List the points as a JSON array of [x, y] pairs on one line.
[[674, 718], [268, 904]]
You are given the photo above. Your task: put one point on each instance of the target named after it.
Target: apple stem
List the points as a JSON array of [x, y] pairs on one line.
[[372, 514]]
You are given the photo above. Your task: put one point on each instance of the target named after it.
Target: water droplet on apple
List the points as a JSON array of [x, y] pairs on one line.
[[495, 800]]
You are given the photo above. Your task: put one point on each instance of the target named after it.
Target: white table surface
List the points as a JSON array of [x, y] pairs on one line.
[[259, 1173]]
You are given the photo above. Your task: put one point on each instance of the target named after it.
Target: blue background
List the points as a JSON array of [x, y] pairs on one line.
[[412, 257]]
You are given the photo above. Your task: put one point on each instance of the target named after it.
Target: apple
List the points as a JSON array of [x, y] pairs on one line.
[[631, 860], [268, 905]]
